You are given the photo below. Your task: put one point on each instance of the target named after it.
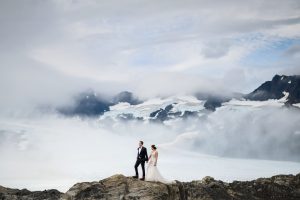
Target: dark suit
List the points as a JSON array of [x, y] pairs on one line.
[[142, 157]]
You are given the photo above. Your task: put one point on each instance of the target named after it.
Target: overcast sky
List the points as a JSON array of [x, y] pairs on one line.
[[52, 49]]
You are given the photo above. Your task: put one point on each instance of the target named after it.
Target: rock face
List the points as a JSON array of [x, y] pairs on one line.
[[276, 88], [119, 187]]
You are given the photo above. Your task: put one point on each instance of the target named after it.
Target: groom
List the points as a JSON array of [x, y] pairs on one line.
[[142, 157]]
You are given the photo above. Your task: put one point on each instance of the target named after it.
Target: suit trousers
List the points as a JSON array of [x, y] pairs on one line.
[[137, 163]]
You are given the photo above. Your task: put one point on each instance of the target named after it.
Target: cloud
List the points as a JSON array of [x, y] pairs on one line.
[[131, 44], [216, 49], [49, 151], [293, 51]]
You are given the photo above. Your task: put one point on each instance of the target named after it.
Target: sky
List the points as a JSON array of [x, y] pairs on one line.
[[52, 49]]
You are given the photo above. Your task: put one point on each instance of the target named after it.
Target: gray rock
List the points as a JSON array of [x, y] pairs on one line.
[[24, 194]]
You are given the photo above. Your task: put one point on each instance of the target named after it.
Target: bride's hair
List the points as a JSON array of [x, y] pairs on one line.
[[153, 146]]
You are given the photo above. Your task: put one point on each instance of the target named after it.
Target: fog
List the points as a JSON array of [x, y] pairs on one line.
[[47, 150]]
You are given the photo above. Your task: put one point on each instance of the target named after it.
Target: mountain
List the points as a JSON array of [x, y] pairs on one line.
[[87, 103], [127, 97], [280, 187], [157, 109], [277, 88], [281, 90], [91, 104]]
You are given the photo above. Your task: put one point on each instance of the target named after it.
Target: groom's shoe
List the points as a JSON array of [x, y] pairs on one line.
[[135, 177], [142, 179]]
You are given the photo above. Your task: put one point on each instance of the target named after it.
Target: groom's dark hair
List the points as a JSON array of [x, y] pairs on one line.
[[141, 142]]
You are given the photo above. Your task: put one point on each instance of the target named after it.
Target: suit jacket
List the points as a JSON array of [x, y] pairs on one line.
[[142, 156]]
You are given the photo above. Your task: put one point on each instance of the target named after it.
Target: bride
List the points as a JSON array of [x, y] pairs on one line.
[[152, 172]]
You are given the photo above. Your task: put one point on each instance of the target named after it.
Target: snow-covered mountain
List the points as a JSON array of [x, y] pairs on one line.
[[157, 109], [280, 91]]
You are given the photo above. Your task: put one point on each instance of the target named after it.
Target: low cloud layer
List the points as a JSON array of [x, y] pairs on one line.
[[233, 143]]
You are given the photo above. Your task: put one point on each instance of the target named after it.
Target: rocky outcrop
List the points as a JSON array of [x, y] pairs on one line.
[[285, 187], [24, 194]]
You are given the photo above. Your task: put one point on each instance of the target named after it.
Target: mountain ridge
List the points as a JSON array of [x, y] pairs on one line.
[[91, 104], [276, 89]]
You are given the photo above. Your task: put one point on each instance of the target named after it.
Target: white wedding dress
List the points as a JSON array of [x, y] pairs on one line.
[[152, 172]]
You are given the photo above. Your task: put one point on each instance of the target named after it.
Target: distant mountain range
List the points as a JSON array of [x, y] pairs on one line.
[[283, 89]]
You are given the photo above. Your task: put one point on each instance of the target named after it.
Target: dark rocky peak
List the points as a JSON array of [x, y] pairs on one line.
[[91, 104], [87, 103], [276, 89], [126, 96], [214, 101]]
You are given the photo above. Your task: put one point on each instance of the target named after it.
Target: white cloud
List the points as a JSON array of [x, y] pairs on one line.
[[50, 151], [121, 44]]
